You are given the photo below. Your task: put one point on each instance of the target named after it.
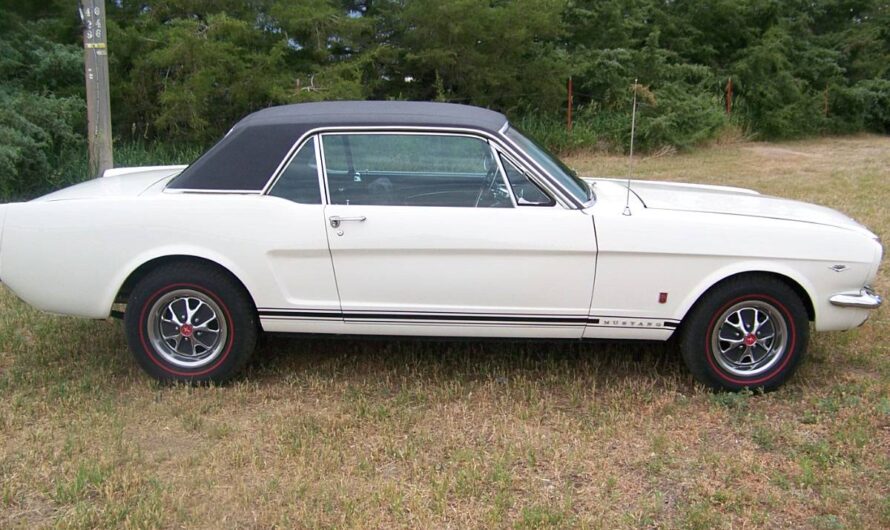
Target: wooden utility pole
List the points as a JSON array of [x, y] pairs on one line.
[[95, 60]]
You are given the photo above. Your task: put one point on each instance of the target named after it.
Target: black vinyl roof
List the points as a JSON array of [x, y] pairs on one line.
[[249, 154]]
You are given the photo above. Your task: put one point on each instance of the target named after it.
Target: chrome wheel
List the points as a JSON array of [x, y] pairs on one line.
[[749, 338], [187, 328]]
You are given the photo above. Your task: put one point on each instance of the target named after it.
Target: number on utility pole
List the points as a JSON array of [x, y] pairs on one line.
[[95, 59]]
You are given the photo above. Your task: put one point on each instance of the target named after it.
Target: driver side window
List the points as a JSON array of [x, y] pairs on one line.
[[402, 169]]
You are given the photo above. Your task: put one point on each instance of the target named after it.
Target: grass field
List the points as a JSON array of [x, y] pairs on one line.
[[380, 434]]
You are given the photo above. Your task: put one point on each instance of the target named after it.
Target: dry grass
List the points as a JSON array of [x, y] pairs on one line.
[[325, 433]]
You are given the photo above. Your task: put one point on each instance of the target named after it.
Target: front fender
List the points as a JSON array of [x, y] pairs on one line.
[[743, 267]]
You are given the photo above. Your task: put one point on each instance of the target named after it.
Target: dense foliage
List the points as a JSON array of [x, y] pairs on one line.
[[184, 70]]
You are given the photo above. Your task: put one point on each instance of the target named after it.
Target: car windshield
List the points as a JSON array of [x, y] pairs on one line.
[[552, 165]]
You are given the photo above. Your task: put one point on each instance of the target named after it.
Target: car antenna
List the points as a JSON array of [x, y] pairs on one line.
[[630, 161]]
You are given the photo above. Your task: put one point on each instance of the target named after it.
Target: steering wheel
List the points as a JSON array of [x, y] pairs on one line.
[[490, 178]]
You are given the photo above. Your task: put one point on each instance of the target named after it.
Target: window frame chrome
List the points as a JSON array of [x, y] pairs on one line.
[[497, 160], [292, 154], [320, 136], [530, 177], [542, 178], [580, 205]]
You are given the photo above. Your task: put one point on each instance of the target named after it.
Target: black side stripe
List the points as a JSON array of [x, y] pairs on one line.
[[301, 314], [463, 318], [427, 317], [402, 316]]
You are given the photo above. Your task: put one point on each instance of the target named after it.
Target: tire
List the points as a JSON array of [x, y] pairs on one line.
[[724, 349], [190, 322]]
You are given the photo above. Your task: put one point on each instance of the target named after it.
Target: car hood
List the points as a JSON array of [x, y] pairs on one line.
[[117, 182], [736, 201]]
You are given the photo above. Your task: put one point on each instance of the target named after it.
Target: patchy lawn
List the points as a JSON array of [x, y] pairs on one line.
[[349, 433]]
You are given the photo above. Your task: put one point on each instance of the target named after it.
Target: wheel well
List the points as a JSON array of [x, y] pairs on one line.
[[796, 287], [143, 270]]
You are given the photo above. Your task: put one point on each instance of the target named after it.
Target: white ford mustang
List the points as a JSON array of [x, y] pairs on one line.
[[398, 218]]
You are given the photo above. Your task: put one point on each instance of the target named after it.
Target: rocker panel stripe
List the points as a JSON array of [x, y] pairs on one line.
[[452, 317]]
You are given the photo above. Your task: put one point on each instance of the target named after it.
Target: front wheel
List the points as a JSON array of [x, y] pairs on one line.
[[190, 322], [748, 332]]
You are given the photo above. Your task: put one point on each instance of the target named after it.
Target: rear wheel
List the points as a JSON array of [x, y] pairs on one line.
[[748, 332], [190, 322]]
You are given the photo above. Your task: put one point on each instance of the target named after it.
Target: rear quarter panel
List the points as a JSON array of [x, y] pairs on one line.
[[71, 257]]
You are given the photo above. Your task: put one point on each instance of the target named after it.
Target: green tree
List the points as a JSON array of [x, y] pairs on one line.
[[504, 55], [184, 70], [41, 104]]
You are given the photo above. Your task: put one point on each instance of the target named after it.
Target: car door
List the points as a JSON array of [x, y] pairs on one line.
[[427, 238]]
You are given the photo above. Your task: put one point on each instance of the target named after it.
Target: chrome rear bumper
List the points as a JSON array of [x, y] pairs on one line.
[[865, 298]]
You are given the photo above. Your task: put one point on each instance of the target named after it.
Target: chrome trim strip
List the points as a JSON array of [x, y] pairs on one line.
[[497, 160], [399, 316], [280, 169], [442, 317], [320, 168], [571, 198], [865, 298], [531, 176], [323, 175], [291, 153]]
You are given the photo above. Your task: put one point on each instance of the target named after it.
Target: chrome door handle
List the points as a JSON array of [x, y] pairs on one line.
[[336, 220]]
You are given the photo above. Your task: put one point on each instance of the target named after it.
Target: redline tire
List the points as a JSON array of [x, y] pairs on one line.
[[747, 332], [190, 322]]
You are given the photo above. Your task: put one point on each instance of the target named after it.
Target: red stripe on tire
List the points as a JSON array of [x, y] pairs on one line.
[[149, 350], [788, 352]]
